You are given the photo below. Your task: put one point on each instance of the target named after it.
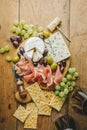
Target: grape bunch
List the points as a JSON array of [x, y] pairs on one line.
[[26, 30], [67, 84]]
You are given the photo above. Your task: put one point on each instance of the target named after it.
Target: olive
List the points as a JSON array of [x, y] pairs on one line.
[[45, 52], [19, 38], [41, 61], [15, 43], [19, 54], [64, 63], [41, 36], [12, 39], [21, 49], [60, 64], [35, 64], [45, 63]]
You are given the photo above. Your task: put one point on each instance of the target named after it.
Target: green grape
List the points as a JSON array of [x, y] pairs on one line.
[[16, 23], [26, 36], [18, 31], [13, 29], [26, 26], [70, 70], [34, 34], [63, 98], [2, 50], [64, 80], [31, 25], [39, 29], [57, 87], [69, 77], [68, 83], [7, 48], [22, 23], [23, 32], [73, 78], [74, 69], [61, 94], [30, 31], [66, 91], [71, 88], [46, 34], [62, 84], [76, 74], [73, 84], [56, 93], [8, 58]]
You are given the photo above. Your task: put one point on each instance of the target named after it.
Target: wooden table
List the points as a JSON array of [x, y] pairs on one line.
[[74, 16]]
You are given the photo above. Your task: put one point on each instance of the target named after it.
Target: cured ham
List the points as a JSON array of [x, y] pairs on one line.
[[42, 74]]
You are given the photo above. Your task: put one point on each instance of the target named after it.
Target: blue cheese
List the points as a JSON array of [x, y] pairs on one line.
[[57, 47]]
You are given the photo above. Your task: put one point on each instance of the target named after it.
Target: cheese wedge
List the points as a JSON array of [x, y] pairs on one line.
[[37, 56], [29, 54]]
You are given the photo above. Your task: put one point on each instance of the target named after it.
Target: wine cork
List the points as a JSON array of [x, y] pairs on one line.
[[51, 27]]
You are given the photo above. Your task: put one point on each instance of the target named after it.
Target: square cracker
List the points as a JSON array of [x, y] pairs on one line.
[[38, 97], [56, 103], [31, 121], [21, 113]]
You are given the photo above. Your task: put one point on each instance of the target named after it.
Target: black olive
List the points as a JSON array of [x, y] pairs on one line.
[[60, 64], [64, 63], [45, 63], [45, 52], [35, 64], [12, 39], [19, 38], [19, 54], [15, 43], [41, 61], [41, 36], [21, 49]]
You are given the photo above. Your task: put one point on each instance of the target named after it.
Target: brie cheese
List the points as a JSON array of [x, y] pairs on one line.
[[37, 56], [36, 43], [29, 54]]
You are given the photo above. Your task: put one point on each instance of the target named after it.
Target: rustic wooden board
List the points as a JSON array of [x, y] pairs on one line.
[[78, 33], [8, 12], [42, 12]]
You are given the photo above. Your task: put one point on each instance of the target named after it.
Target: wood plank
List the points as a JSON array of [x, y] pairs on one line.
[[8, 12], [78, 34], [42, 13]]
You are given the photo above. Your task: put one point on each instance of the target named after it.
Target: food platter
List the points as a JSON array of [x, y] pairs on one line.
[[28, 43]]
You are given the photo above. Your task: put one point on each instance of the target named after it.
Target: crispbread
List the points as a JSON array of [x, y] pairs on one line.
[[56, 103], [21, 113], [31, 121], [38, 97]]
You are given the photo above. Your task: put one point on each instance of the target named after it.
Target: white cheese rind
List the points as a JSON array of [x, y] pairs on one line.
[[57, 47]]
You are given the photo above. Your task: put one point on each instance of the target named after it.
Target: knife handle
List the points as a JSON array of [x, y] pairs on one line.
[[21, 89]]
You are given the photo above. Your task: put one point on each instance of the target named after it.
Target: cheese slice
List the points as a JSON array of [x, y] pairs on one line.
[[29, 54], [57, 47], [37, 56], [34, 43]]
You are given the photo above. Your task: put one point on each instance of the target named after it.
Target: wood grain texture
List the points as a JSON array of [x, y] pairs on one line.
[[42, 12], [78, 47], [8, 12]]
